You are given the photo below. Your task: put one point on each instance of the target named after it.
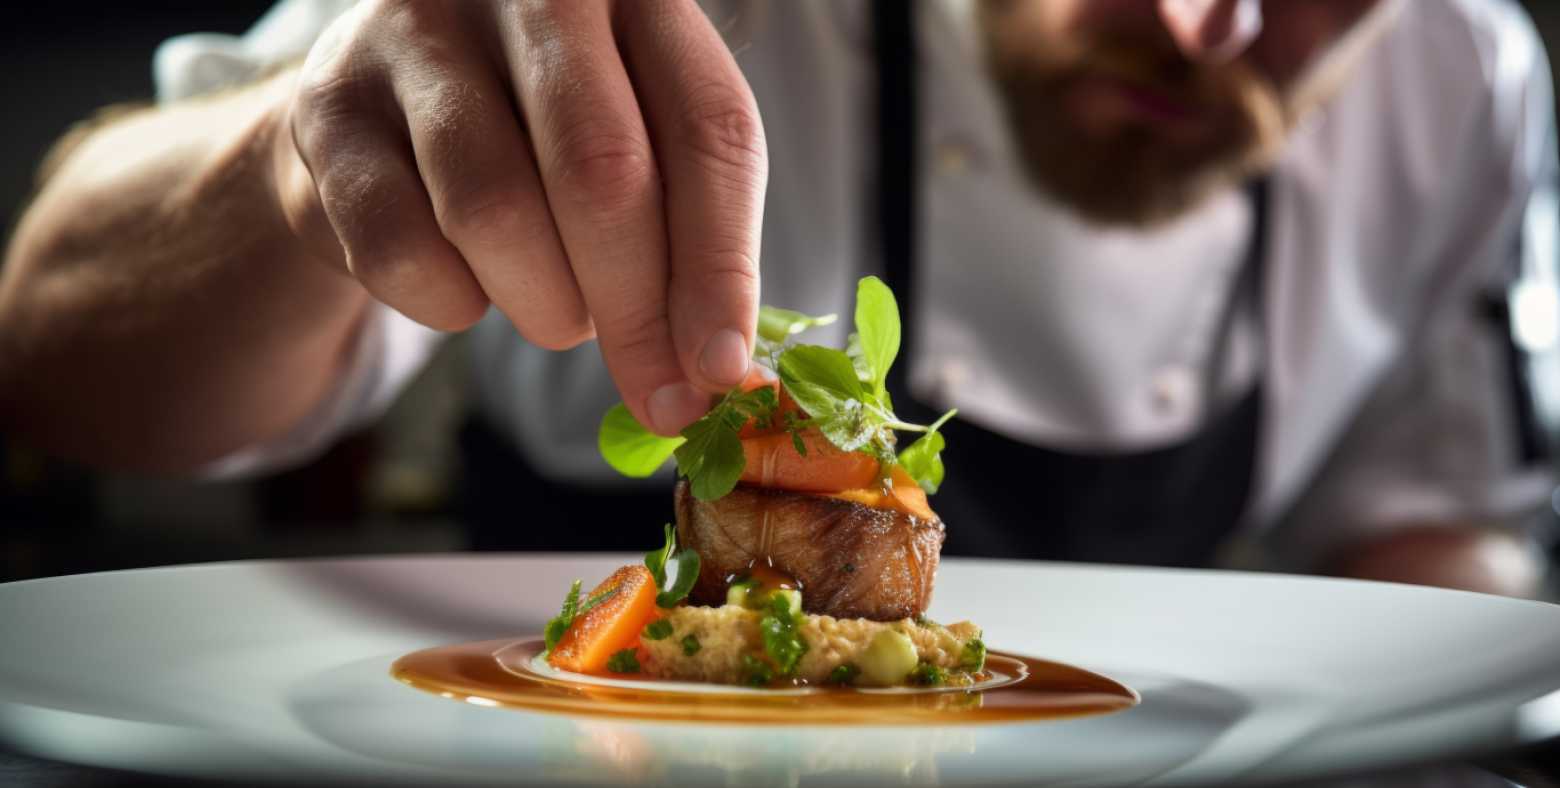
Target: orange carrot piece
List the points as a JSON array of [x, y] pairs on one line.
[[609, 627], [903, 495], [772, 461]]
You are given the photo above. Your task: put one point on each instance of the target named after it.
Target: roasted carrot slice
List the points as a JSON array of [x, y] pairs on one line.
[[609, 627], [772, 461], [903, 495]]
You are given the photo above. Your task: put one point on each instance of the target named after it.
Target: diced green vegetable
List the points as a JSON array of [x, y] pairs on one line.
[[737, 593], [659, 629], [926, 674], [888, 658], [690, 645], [973, 658]]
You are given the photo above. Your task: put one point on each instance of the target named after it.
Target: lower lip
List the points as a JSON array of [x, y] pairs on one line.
[[1143, 102]]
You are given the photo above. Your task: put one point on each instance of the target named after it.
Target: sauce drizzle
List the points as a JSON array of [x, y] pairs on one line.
[[501, 673]]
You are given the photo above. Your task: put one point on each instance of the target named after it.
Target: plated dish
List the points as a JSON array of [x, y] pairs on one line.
[[804, 555]]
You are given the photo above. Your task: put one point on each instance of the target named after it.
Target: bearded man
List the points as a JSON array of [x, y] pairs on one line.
[[1196, 273]]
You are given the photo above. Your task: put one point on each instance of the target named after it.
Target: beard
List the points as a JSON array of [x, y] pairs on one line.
[[1204, 129]]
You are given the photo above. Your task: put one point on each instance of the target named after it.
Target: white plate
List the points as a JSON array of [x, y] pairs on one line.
[[279, 670]]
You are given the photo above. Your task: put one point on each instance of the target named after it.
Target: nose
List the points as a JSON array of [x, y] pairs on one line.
[[1213, 31]]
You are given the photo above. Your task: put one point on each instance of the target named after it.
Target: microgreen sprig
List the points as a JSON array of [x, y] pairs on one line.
[[843, 392], [687, 570]]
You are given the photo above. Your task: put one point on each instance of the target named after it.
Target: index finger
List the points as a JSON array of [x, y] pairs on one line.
[[604, 190], [709, 141]]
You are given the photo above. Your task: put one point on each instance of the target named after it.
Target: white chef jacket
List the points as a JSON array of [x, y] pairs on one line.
[[1401, 205]]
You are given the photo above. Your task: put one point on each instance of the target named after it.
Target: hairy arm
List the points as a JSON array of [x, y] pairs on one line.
[[157, 310]]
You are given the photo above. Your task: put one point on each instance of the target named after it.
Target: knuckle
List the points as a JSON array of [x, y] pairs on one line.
[[723, 126], [414, 20], [637, 331], [609, 167], [492, 216]]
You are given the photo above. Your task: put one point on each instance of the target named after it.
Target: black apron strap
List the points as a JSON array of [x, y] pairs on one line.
[[1173, 505]]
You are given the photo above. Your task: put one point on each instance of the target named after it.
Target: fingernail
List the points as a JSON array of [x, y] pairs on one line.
[[676, 405], [725, 358]]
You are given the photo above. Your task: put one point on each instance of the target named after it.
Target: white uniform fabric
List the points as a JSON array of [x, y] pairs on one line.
[[1426, 185]]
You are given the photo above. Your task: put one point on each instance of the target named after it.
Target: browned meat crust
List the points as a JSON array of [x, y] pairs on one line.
[[852, 561]]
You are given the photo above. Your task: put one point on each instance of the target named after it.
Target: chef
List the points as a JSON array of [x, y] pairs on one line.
[[1208, 280]]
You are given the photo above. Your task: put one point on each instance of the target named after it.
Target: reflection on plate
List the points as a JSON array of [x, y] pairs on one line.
[[512, 673]]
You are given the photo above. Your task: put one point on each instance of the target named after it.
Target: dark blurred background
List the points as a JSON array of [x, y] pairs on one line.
[[389, 489]]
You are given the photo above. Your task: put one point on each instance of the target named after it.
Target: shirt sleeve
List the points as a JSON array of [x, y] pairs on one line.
[[1461, 431], [388, 348]]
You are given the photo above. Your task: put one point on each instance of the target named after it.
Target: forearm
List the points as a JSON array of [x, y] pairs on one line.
[[156, 309], [1487, 560]]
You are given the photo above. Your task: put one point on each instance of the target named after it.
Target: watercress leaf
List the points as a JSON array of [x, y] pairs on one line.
[[712, 459], [655, 560], [863, 368], [776, 324], [923, 461], [820, 379], [849, 427], [687, 574], [629, 447], [877, 326]]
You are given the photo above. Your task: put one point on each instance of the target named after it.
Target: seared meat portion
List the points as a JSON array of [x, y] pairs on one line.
[[852, 561]]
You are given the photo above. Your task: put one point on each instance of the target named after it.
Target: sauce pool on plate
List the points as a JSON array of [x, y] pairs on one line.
[[511, 673]]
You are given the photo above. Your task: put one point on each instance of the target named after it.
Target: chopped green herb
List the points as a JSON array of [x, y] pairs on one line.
[[560, 623], [624, 661], [848, 567], [659, 629], [842, 674], [779, 632], [926, 674], [756, 672], [690, 645], [973, 658]]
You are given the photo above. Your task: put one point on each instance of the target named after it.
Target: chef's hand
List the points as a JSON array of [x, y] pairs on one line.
[[590, 167]]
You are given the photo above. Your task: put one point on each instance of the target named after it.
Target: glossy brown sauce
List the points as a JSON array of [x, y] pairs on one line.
[[500, 673], [767, 576]]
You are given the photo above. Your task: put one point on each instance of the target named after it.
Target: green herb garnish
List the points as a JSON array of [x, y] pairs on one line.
[[659, 629], [973, 658], [572, 609], [756, 672], [843, 674], [690, 645], [687, 570], [624, 661], [778, 631], [843, 392], [926, 674]]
